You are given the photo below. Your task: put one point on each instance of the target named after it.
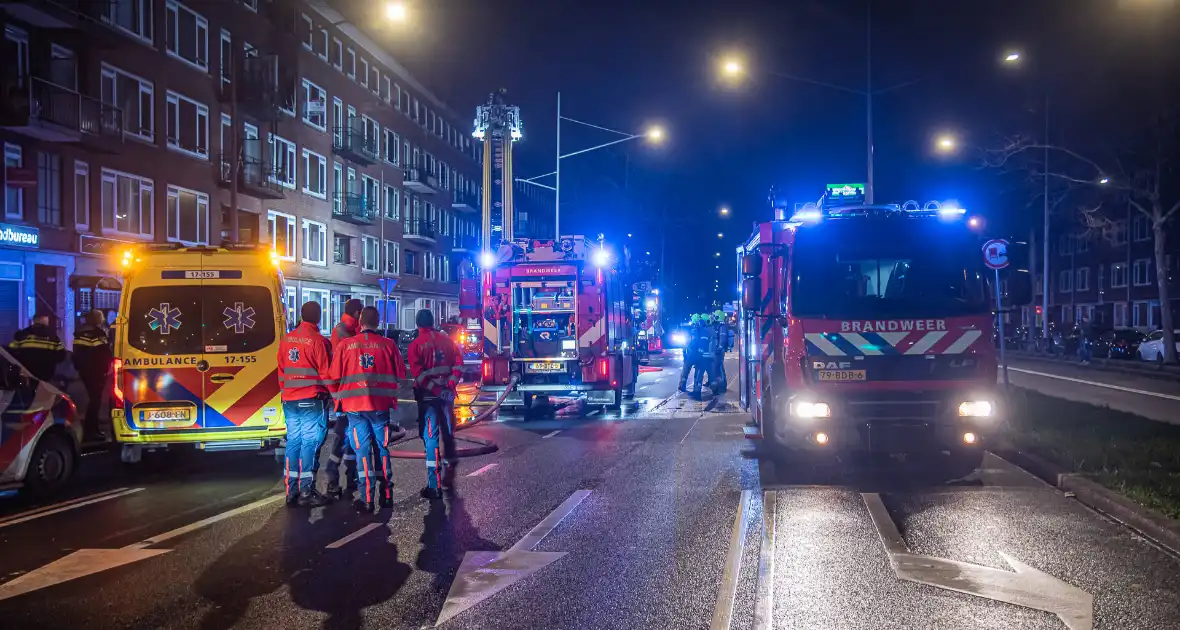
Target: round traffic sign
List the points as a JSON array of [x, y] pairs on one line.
[[995, 253]]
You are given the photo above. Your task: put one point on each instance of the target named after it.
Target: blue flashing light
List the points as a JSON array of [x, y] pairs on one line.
[[951, 213], [808, 216], [487, 260], [601, 257]]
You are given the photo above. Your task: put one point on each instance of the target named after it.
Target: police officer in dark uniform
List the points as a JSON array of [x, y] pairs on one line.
[[92, 358], [38, 348]]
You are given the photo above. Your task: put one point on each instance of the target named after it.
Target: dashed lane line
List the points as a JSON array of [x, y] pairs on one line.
[[550, 434], [481, 471], [66, 506], [353, 536], [1082, 381]]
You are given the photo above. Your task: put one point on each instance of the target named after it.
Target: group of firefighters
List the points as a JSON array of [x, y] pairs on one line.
[[709, 338], [356, 375]]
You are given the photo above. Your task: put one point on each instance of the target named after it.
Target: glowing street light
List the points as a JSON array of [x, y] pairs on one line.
[[655, 134], [720, 235], [724, 211], [733, 67], [1104, 181], [946, 143], [1012, 57]]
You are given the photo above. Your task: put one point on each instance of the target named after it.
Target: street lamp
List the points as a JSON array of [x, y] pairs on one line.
[[396, 11], [724, 211], [654, 134], [1012, 57], [946, 144], [720, 235]]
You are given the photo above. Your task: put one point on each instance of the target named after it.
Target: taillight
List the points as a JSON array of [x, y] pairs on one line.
[[487, 370], [603, 367], [117, 386]]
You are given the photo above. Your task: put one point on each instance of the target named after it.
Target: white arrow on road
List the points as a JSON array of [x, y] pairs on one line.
[[485, 573], [1027, 586], [85, 562]]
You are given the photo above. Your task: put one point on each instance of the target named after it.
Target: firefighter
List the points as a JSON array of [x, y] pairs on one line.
[[690, 356], [703, 354], [92, 358], [341, 450], [38, 348], [304, 358], [368, 369], [437, 366], [718, 341]]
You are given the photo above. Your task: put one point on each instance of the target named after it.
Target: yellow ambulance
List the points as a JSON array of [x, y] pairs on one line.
[[196, 343]]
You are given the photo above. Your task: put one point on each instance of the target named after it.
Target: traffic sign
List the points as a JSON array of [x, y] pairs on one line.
[[387, 284], [995, 253]]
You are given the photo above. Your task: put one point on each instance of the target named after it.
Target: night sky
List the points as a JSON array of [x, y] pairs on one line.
[[625, 65]]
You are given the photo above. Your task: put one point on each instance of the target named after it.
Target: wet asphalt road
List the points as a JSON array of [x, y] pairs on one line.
[[684, 525]]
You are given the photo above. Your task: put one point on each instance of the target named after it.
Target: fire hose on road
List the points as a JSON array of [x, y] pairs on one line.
[[481, 447]]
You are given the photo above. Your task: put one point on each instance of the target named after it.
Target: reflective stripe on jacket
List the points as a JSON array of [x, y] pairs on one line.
[[368, 370], [39, 349], [92, 353], [435, 361], [343, 330], [304, 360]]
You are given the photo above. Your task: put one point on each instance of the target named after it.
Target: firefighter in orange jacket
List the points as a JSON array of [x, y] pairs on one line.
[[304, 359], [437, 366], [368, 369], [347, 327]]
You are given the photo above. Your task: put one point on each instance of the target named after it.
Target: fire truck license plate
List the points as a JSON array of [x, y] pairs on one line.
[[841, 375], [547, 366]]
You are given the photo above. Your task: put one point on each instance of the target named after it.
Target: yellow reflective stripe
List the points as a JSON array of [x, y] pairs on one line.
[[40, 344], [88, 342]]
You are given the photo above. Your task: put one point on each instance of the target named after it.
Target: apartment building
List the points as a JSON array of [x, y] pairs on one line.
[[1109, 275], [133, 121]]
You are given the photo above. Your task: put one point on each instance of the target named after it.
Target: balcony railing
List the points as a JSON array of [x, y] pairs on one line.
[[353, 208], [464, 244], [260, 89], [464, 201], [416, 178], [57, 14], [350, 143], [420, 229], [40, 109], [256, 177]]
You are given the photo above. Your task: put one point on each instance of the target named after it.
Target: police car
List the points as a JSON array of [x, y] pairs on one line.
[[40, 436]]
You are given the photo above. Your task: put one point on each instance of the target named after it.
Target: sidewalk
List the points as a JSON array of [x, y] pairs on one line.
[[1125, 366]]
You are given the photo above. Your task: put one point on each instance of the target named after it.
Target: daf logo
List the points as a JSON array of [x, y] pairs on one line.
[[961, 363], [830, 365]]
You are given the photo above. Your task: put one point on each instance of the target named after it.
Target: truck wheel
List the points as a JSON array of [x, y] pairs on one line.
[[618, 403], [52, 464]]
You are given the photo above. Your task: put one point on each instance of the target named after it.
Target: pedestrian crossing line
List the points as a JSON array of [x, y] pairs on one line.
[[481, 471], [66, 506], [353, 536]]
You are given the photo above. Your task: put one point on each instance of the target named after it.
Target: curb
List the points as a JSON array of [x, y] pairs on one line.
[[1160, 529], [1153, 373]]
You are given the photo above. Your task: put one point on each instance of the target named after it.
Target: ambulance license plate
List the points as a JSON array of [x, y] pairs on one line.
[[167, 415], [841, 375], [546, 367]]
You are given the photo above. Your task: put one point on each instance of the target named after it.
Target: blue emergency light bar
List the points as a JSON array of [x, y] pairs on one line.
[[811, 213]]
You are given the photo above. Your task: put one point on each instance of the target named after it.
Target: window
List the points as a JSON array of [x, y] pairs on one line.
[[252, 5], [282, 234], [1065, 283], [13, 197], [315, 174], [429, 119], [282, 155], [133, 16], [337, 122], [226, 59], [392, 142], [315, 105], [1082, 283], [321, 44], [188, 216], [337, 188], [372, 132], [135, 96], [370, 254], [1120, 315], [392, 257], [187, 35], [1142, 231], [49, 188], [392, 203], [385, 83], [315, 243], [371, 189], [337, 54], [1142, 316], [342, 249], [364, 72], [411, 263], [82, 195], [1118, 275], [350, 69], [127, 202], [417, 111], [1082, 243], [188, 126], [1141, 272], [320, 297], [1118, 233], [63, 67], [306, 30], [375, 79]]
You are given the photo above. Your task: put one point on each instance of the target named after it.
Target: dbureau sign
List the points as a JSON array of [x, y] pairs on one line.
[[19, 235]]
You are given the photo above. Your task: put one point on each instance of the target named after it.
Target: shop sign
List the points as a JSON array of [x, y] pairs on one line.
[[19, 235]]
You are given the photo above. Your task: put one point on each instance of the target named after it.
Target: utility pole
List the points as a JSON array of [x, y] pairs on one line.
[[1045, 244], [235, 149], [869, 98], [557, 180]]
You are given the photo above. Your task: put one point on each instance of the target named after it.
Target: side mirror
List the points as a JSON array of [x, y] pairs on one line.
[[1020, 290], [751, 293], [751, 265]]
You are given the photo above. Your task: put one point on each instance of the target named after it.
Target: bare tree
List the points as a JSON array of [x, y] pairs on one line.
[[1144, 179]]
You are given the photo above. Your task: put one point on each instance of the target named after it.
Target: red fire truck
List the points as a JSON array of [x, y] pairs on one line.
[[556, 314], [868, 328]]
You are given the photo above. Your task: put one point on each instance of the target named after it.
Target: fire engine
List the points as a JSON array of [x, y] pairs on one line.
[[556, 316], [868, 328], [646, 313]]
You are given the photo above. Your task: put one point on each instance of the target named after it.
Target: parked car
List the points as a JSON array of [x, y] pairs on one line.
[[1118, 344], [41, 437], [1152, 348]]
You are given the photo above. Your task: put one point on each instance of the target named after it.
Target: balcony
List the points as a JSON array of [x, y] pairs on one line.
[[57, 14], [260, 89], [353, 208], [464, 201], [465, 244], [421, 230], [39, 109], [350, 143], [418, 180], [255, 178]]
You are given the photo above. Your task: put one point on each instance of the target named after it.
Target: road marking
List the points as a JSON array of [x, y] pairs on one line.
[[66, 506], [85, 562], [727, 593], [1027, 586], [482, 574], [551, 434], [1081, 381], [764, 604], [482, 470], [694, 425], [353, 536]]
